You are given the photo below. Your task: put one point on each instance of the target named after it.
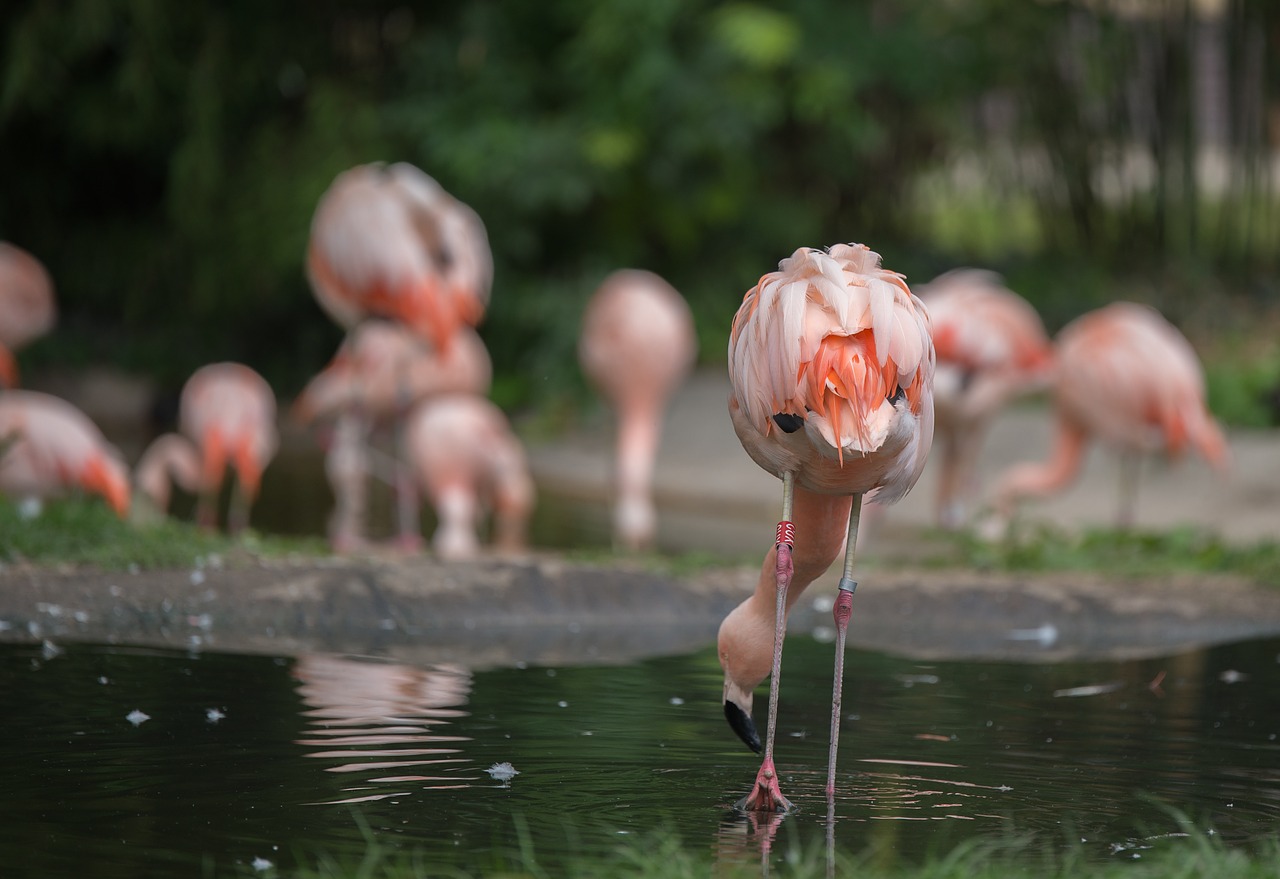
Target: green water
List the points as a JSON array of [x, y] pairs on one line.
[[280, 758]]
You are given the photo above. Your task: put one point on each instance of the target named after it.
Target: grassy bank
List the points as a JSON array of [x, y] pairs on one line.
[[668, 856]]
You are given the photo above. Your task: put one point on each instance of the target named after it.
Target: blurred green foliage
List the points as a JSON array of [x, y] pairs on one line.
[[163, 159]]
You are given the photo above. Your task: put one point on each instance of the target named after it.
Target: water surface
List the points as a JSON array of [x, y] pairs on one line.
[[130, 762]]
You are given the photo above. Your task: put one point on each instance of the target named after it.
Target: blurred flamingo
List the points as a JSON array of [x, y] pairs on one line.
[[48, 446], [637, 345], [380, 372], [831, 363], [388, 241], [169, 458], [1127, 376], [27, 307], [468, 461], [992, 347], [229, 411]]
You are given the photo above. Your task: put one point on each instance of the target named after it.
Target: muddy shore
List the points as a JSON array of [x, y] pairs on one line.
[[546, 610]]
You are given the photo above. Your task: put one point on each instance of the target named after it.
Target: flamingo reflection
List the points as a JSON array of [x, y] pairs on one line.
[[381, 722]]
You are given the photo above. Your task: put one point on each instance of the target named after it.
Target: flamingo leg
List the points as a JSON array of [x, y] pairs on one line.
[[237, 509], [766, 795], [407, 501], [842, 611], [1130, 468]]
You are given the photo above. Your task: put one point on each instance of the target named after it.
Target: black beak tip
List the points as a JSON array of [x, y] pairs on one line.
[[743, 725]]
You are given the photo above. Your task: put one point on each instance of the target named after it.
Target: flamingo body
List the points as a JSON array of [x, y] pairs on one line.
[[637, 345], [468, 461], [991, 348], [838, 346], [48, 446], [27, 306], [389, 241], [1125, 375], [229, 412], [382, 369]]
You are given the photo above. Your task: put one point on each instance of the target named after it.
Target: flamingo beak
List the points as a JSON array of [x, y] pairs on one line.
[[737, 710]]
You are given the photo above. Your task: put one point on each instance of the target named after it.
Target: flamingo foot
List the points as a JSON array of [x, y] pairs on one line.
[[766, 795]]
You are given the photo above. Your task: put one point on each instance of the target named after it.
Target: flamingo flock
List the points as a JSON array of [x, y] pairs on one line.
[[838, 373]]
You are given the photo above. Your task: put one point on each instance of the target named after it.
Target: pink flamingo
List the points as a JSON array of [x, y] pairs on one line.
[[48, 446], [1127, 376], [637, 345], [388, 241], [992, 348], [831, 364], [468, 461], [381, 371], [27, 306], [229, 411], [169, 458]]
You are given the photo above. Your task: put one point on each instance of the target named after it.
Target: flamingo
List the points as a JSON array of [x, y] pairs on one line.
[[27, 307], [169, 458], [637, 345], [467, 459], [229, 411], [831, 363], [992, 348], [48, 446], [380, 372], [1127, 376], [388, 241]]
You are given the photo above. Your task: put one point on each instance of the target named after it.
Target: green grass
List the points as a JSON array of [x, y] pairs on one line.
[[666, 855], [83, 531], [1113, 552]]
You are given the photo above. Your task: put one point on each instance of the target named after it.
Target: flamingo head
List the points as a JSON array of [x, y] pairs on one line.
[[105, 476]]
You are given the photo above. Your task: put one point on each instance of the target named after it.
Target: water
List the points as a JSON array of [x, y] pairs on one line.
[[280, 759]]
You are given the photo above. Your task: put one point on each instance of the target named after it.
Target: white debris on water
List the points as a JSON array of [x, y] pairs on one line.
[[262, 865], [1090, 689], [502, 772], [49, 650], [137, 718], [197, 577], [1231, 676], [1045, 636], [676, 700], [29, 508], [213, 715]]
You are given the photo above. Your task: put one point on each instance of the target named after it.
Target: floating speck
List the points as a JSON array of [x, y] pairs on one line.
[[137, 718], [563, 704], [102, 679], [49, 650], [197, 577], [502, 772], [1045, 636], [213, 715], [676, 700], [1231, 676], [262, 865]]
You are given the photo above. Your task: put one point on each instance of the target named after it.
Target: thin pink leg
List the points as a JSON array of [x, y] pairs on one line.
[[766, 795], [842, 611]]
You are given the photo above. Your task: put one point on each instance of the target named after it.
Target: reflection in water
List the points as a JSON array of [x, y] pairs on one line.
[[380, 719]]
